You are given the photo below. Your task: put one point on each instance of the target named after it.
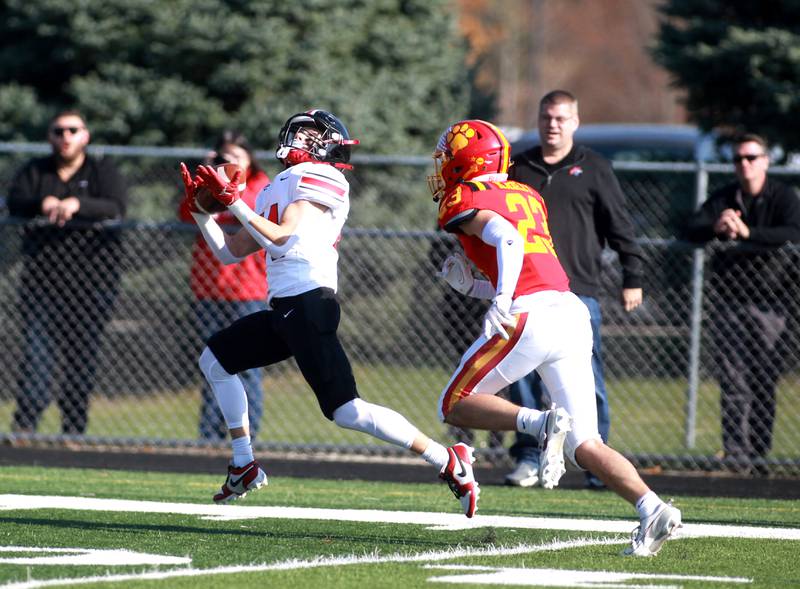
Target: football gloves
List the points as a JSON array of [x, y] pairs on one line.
[[190, 188], [498, 316], [189, 184], [226, 192], [457, 273]]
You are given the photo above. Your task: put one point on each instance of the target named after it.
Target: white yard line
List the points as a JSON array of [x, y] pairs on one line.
[[332, 561], [459, 573], [83, 556], [484, 575], [435, 521]]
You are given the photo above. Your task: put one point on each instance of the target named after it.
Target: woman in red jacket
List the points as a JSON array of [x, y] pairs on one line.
[[225, 293]]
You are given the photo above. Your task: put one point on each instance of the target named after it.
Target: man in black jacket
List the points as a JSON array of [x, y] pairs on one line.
[[587, 211], [70, 271], [748, 296]]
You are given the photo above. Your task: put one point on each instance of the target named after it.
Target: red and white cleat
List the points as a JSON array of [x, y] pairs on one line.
[[240, 480], [458, 474]]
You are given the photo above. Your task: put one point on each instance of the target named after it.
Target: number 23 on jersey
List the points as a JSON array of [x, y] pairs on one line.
[[532, 224]]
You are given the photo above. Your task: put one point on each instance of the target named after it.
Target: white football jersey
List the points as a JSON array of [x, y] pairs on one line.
[[311, 262]]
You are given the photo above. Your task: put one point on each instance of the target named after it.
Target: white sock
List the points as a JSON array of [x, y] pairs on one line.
[[531, 421], [648, 504], [436, 454], [242, 451]]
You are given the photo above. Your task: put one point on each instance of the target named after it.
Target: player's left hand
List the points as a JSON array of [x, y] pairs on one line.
[[631, 298], [498, 316], [225, 192]]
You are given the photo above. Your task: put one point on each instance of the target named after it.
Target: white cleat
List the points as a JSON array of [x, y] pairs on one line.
[[551, 441], [653, 531]]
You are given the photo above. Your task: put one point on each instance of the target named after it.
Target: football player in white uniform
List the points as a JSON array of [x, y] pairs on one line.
[[298, 221]]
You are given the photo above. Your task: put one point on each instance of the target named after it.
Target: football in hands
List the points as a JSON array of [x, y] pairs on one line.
[[203, 197]]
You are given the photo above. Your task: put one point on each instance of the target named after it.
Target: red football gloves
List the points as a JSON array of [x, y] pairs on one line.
[[190, 187], [189, 184], [225, 192]]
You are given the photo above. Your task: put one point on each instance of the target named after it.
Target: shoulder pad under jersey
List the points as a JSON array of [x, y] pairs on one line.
[[320, 183]]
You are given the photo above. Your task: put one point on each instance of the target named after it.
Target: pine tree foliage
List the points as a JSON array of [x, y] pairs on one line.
[[739, 62], [177, 72]]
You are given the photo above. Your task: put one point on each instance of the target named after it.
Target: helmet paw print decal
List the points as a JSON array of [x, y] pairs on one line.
[[466, 150], [458, 137]]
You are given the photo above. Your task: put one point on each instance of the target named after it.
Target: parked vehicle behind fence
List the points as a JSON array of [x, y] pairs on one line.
[[640, 143]]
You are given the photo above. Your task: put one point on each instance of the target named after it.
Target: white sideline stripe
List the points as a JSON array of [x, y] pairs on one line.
[[434, 521], [487, 575], [330, 561]]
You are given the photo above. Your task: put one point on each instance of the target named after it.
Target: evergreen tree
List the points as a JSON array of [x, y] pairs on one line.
[[177, 72], [739, 62]]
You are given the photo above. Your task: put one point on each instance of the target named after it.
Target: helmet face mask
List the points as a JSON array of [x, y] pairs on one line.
[[306, 138], [301, 144], [436, 183], [468, 149], [315, 136]]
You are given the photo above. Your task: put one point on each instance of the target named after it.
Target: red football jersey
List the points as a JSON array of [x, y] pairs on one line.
[[524, 208]]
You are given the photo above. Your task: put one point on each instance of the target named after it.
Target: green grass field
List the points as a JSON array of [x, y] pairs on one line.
[[101, 528]]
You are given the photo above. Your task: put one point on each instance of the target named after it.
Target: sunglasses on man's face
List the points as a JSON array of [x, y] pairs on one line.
[[750, 157], [59, 131]]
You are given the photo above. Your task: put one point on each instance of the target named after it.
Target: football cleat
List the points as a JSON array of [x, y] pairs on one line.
[[458, 474], [551, 443], [653, 531], [240, 480], [525, 475]]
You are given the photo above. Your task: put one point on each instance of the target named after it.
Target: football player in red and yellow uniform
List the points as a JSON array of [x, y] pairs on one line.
[[534, 322]]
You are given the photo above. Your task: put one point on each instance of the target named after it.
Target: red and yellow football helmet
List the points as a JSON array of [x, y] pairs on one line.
[[465, 150]]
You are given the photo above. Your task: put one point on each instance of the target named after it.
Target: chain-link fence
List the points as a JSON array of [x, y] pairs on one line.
[[98, 342]]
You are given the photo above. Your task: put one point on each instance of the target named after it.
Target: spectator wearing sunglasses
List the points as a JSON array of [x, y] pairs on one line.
[[748, 298], [70, 271]]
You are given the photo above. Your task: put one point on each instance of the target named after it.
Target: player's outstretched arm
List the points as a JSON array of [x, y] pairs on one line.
[[276, 238], [228, 249]]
